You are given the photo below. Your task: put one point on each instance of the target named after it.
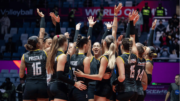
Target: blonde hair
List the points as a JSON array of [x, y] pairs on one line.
[[57, 42], [111, 52]]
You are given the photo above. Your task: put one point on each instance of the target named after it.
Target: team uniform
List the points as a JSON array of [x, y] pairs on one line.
[[94, 65], [104, 88], [149, 76], [75, 94], [140, 69], [126, 90], [36, 85], [57, 88]]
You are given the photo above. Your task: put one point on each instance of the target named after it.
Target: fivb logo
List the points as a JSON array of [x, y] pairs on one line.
[[17, 12]]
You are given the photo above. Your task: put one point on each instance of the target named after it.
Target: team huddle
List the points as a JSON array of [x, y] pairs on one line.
[[62, 71]]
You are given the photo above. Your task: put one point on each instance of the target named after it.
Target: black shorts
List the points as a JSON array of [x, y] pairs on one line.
[[35, 89], [77, 95], [91, 91], [113, 97], [124, 96], [57, 90], [149, 76], [140, 98], [135, 96], [103, 89]]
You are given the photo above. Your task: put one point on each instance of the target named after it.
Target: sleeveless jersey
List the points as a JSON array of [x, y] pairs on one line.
[[35, 62], [66, 68], [94, 65], [148, 60], [130, 80], [76, 62], [108, 70], [140, 69]]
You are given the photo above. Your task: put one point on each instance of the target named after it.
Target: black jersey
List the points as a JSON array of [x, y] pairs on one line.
[[35, 62], [66, 68], [76, 62], [140, 68], [94, 65], [108, 70], [148, 60], [130, 80]]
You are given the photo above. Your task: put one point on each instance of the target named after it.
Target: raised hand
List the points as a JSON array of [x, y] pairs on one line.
[[78, 26], [40, 13], [91, 21], [116, 9], [56, 18], [132, 15], [67, 35], [108, 25], [136, 19], [154, 24], [119, 40]]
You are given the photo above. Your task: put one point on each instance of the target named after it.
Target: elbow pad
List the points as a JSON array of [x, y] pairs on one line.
[[63, 78]]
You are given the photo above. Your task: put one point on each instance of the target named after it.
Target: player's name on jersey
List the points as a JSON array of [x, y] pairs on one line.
[[141, 63], [74, 63], [35, 58]]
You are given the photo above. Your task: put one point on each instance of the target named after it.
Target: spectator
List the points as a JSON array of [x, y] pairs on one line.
[[169, 26], [173, 90], [164, 40], [176, 34], [10, 90], [146, 12], [71, 18], [175, 21], [5, 24], [139, 23], [55, 10], [122, 24], [10, 46], [164, 52], [84, 29], [157, 48], [72, 35], [160, 28], [160, 11], [175, 46], [99, 17], [20, 89]]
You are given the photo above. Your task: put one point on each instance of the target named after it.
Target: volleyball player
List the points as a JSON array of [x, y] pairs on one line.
[[125, 82], [44, 39], [35, 62], [80, 61], [150, 53], [57, 64]]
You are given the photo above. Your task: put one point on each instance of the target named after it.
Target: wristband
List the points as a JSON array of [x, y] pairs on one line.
[[115, 16]]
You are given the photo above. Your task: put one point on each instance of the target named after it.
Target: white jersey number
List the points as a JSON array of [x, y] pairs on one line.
[[132, 71], [140, 74], [36, 68], [75, 78]]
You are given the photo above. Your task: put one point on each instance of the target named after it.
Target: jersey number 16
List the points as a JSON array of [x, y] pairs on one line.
[[36, 68]]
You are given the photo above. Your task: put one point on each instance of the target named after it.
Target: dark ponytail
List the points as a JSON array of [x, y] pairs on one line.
[[130, 50], [77, 43], [32, 43], [80, 43]]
